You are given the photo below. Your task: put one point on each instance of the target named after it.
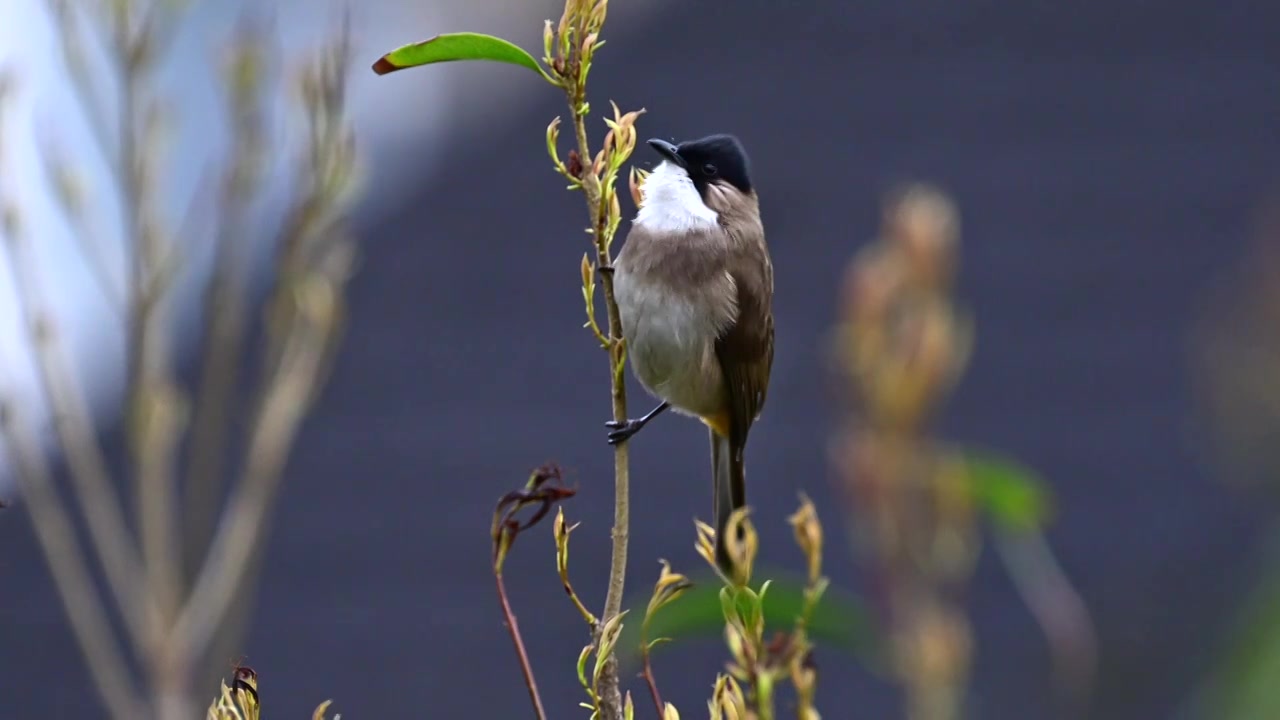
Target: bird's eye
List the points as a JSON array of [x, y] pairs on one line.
[[709, 170]]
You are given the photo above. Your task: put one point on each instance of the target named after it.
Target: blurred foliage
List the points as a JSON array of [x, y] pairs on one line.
[[1013, 495], [1235, 364], [840, 620], [1243, 685], [1235, 354]]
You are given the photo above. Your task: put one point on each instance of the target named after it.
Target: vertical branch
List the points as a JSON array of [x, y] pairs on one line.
[[53, 526], [617, 357], [610, 692], [80, 599], [155, 408], [170, 633], [303, 325], [304, 316], [73, 424], [904, 345], [577, 38], [225, 303], [242, 526]]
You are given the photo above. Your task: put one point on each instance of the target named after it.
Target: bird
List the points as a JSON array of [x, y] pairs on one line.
[[693, 284]]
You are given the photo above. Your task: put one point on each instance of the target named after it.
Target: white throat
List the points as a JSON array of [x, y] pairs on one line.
[[671, 203]]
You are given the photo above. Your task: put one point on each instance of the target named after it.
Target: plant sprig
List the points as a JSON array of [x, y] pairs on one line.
[[569, 47]]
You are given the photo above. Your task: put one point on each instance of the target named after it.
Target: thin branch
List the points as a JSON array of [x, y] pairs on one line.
[[509, 618], [226, 304], [88, 238], [315, 258], [611, 694], [73, 423], [160, 433], [1056, 605], [151, 397], [651, 681], [80, 599], [284, 405], [72, 42]]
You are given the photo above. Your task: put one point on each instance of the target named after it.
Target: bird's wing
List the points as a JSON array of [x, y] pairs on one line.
[[745, 347]]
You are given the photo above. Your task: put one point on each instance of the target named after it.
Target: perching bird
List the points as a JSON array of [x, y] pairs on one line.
[[694, 287]]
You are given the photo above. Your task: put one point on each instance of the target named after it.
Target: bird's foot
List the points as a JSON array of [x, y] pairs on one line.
[[622, 431]]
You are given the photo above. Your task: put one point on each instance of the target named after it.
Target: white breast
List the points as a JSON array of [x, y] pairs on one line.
[[670, 344], [671, 203]]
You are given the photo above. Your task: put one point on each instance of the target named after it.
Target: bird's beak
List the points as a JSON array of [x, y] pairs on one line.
[[668, 151]]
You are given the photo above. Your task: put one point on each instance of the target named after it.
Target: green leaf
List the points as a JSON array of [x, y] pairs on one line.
[[457, 46], [1016, 497], [1242, 685], [840, 620]]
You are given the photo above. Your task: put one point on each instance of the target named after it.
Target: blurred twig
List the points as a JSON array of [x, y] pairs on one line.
[[1057, 607], [93, 486], [902, 347], [170, 618], [227, 291], [54, 530]]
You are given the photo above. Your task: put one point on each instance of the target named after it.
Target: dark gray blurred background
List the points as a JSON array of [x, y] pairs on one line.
[[1107, 159]]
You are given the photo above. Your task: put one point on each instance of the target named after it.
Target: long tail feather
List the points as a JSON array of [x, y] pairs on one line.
[[729, 489]]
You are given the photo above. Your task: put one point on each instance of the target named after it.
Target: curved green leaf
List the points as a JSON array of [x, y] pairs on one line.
[[457, 46], [1015, 496], [839, 621]]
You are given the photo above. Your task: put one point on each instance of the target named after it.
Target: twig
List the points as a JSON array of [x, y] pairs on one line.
[[314, 260], [610, 694], [73, 44], [282, 411], [226, 303], [149, 392], [88, 238], [543, 490], [79, 597], [1056, 605], [650, 681], [526, 668], [93, 486], [169, 633]]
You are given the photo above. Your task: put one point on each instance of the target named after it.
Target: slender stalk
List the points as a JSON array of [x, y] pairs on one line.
[[227, 301], [243, 524], [80, 598], [650, 681], [92, 482], [509, 618], [146, 383], [610, 694]]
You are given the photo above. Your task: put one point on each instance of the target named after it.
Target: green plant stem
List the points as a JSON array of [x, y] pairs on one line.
[[610, 695], [764, 699], [525, 667]]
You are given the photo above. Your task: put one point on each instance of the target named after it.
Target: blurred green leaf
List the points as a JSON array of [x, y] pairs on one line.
[[1243, 686], [1016, 497], [840, 621], [457, 46]]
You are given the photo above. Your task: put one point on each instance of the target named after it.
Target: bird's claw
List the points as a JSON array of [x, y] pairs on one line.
[[620, 431]]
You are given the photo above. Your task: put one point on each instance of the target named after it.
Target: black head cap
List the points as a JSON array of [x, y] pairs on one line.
[[715, 157]]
